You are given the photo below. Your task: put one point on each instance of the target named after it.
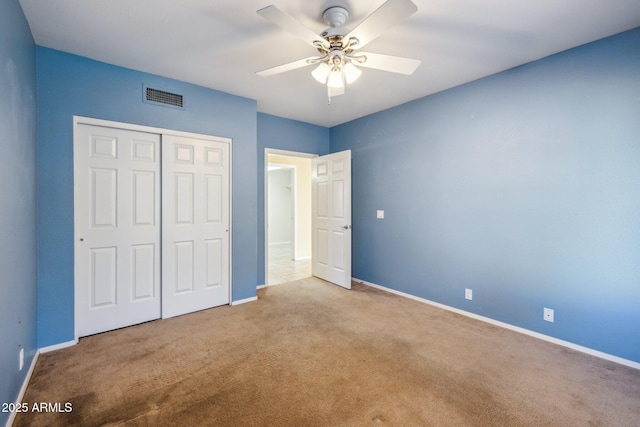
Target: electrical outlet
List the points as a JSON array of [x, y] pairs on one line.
[[548, 315], [21, 358], [380, 214], [468, 294]]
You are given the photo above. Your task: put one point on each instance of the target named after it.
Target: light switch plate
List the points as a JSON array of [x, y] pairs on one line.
[[380, 214]]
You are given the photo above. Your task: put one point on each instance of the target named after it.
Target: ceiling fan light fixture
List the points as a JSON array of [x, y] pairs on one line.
[[351, 72], [338, 63], [321, 73]]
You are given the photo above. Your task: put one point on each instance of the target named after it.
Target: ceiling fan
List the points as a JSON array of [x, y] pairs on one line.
[[338, 59]]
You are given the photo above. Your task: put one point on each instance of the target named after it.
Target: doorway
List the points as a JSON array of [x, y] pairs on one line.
[[287, 216]]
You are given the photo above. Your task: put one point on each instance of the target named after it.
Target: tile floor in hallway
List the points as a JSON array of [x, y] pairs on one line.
[[282, 268]]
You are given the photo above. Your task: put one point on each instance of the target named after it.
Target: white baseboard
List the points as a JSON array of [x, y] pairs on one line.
[[23, 389], [244, 301], [25, 383], [58, 346], [524, 331], [261, 286]]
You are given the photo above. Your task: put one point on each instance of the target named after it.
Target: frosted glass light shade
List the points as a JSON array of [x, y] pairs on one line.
[[335, 91], [351, 72], [321, 73], [336, 79]]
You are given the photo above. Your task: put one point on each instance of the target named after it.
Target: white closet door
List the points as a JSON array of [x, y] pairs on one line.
[[195, 224], [117, 228], [331, 218]]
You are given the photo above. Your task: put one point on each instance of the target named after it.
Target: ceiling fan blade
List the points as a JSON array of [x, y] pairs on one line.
[[387, 15], [393, 64], [288, 23], [286, 67]]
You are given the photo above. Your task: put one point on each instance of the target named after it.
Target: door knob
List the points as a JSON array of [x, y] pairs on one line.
[[346, 227]]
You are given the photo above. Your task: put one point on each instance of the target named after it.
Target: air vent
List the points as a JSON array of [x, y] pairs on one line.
[[163, 97]]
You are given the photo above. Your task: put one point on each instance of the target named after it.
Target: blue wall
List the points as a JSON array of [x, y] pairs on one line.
[[524, 186], [70, 85], [18, 199], [283, 134]]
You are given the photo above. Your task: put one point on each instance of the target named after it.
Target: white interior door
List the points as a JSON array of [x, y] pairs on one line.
[[195, 224], [331, 218], [117, 228]]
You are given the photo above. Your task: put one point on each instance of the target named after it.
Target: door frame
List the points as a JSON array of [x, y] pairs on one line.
[[78, 120], [278, 152], [293, 171]]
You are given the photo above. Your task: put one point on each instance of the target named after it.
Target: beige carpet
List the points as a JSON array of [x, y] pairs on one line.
[[312, 354]]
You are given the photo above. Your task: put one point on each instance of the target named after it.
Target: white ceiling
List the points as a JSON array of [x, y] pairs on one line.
[[220, 44]]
